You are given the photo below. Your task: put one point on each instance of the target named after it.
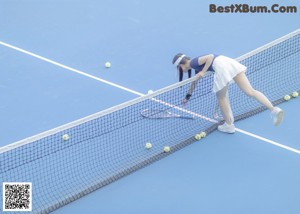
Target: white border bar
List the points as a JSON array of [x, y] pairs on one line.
[[94, 116], [134, 101], [266, 46]]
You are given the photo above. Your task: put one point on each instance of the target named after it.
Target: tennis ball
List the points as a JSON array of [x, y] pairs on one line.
[[107, 64], [197, 136], [295, 94], [287, 97], [65, 137], [150, 92], [203, 134], [167, 149], [148, 145]]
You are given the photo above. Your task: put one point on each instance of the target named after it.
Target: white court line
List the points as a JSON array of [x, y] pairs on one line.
[[268, 141], [140, 94], [69, 68]]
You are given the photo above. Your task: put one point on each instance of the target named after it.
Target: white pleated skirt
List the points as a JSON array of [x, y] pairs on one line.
[[225, 70]]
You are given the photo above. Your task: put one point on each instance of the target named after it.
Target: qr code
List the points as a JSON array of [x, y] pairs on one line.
[[17, 196]]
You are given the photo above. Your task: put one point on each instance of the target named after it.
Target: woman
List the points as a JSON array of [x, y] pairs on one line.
[[225, 70]]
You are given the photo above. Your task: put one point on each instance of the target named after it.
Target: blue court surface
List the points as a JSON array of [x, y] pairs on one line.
[[52, 72]]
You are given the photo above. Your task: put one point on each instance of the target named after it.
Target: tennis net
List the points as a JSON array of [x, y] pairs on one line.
[[111, 144]]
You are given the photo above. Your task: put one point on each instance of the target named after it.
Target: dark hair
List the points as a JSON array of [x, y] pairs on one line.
[[184, 59], [180, 73]]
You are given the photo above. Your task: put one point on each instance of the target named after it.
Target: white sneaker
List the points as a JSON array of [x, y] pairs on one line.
[[226, 128], [277, 116]]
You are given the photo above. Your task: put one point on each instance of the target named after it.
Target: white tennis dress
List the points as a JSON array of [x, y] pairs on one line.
[[225, 69]]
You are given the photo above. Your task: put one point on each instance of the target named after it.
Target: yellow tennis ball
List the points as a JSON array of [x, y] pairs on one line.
[[107, 64], [287, 97], [197, 136], [203, 134], [167, 149], [150, 92], [65, 137], [295, 94], [148, 145]]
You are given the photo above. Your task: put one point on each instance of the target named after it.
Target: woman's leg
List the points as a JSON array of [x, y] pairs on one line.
[[244, 84], [225, 105]]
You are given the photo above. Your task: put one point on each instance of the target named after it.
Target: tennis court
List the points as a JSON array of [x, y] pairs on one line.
[[73, 127]]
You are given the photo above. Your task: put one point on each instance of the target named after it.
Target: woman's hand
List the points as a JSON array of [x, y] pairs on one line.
[[186, 99], [200, 75]]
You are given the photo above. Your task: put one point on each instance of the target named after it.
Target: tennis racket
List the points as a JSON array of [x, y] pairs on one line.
[[161, 114]]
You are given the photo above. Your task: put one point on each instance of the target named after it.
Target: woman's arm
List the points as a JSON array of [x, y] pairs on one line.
[[208, 59], [201, 60]]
